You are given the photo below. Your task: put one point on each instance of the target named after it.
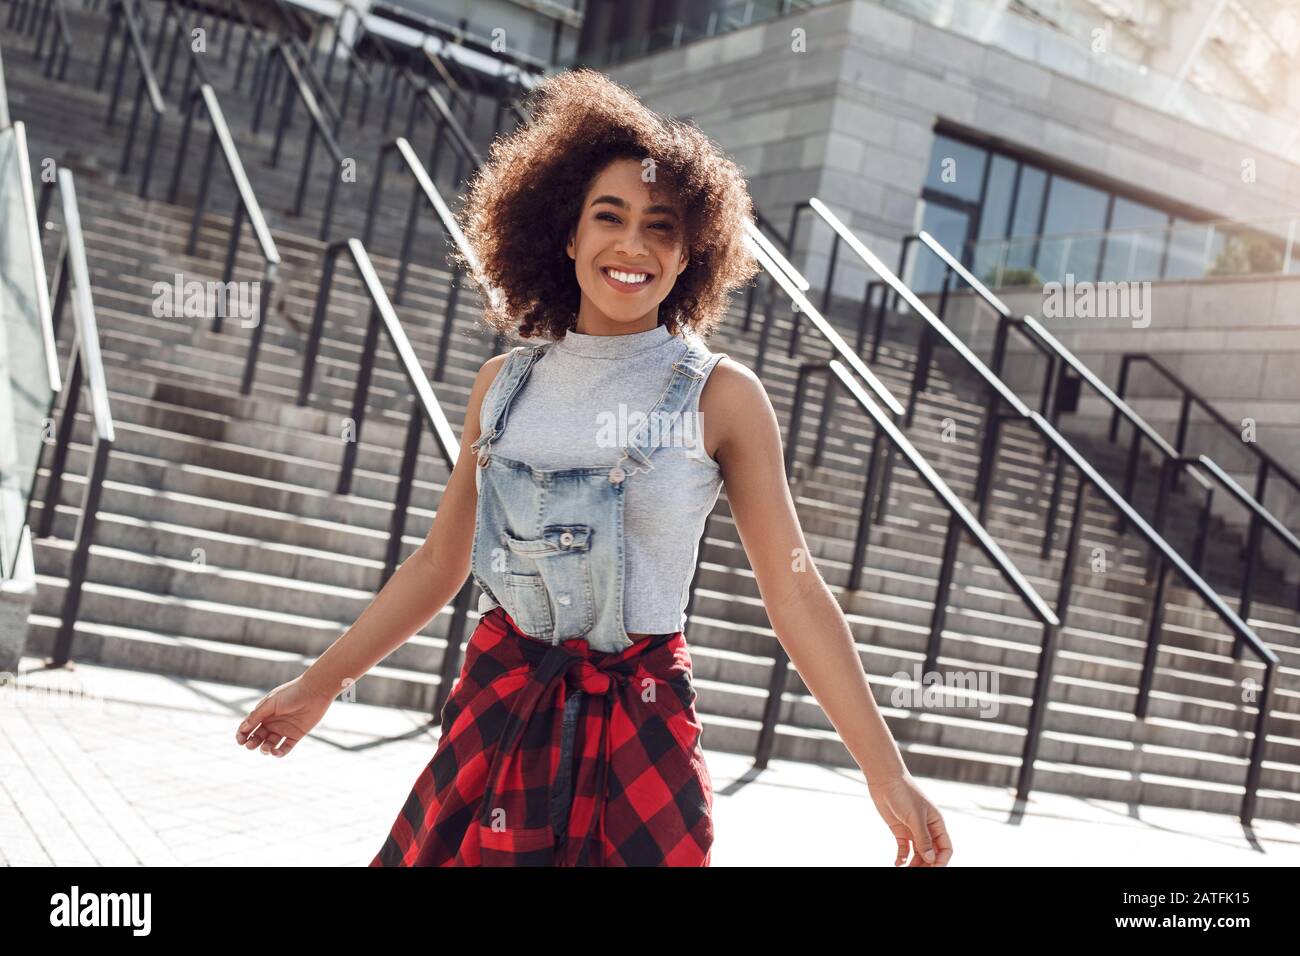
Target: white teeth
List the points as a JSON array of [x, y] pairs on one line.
[[631, 278]]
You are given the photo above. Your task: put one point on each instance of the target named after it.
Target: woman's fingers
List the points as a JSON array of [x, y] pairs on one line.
[[942, 842], [248, 732], [903, 847], [285, 747]]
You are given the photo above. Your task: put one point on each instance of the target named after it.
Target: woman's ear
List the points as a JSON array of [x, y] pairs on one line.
[[570, 247], [686, 258]]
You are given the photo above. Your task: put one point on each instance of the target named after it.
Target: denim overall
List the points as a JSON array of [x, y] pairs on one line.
[[548, 545]]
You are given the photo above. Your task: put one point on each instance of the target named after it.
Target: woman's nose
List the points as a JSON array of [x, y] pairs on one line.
[[631, 243]]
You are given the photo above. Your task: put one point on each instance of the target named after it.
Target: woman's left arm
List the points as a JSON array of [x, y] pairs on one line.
[[804, 613]]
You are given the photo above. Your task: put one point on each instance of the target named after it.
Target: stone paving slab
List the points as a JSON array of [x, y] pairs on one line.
[[126, 768]]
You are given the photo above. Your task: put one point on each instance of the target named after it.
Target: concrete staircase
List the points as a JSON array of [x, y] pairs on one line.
[[223, 552]]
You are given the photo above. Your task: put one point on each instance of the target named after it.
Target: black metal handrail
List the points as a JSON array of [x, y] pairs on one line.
[[1086, 474], [147, 88], [782, 273], [1035, 334], [424, 189], [444, 120], [774, 237], [297, 88], [960, 520], [307, 66], [1260, 518], [1005, 322], [60, 37], [253, 34], [72, 283], [1268, 466], [427, 412], [455, 92], [247, 208], [794, 285], [355, 67]]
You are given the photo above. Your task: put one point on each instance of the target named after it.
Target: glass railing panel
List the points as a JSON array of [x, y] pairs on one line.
[[25, 389]]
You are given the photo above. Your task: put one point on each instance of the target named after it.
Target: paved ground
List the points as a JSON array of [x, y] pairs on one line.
[[141, 769]]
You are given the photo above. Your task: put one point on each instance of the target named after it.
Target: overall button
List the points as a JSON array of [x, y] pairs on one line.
[[617, 474], [566, 539]]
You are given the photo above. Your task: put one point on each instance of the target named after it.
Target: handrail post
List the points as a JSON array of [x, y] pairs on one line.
[[286, 113], [796, 416], [109, 35], [951, 542], [1202, 531], [1184, 415], [376, 191], [201, 201], [772, 707], [988, 454], [1252, 557], [1047, 656], [405, 483], [1130, 476], [448, 323], [82, 537], [828, 405], [864, 311], [67, 417], [301, 194], [317, 322], [1053, 508], [1253, 773], [360, 395], [267, 291], [173, 191], [1161, 577], [1120, 388]]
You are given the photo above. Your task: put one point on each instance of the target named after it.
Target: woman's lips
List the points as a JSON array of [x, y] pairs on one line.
[[626, 286]]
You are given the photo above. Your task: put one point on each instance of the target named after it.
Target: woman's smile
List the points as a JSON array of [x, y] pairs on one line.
[[627, 281]]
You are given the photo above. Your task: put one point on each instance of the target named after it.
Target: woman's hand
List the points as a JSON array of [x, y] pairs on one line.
[[290, 711], [912, 818]]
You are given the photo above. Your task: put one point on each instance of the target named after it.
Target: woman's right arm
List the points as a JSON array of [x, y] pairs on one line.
[[418, 590]]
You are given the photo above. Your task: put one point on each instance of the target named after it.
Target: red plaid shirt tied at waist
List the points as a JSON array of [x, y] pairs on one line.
[[558, 755]]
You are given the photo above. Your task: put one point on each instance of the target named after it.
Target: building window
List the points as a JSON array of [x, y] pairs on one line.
[[1015, 222]]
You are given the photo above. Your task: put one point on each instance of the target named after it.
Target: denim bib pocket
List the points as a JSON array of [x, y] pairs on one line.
[[526, 599], [559, 561]]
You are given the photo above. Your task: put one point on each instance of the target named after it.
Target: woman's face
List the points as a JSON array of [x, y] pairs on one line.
[[628, 249]]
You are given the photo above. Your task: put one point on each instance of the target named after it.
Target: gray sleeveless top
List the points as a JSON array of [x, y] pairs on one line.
[[582, 400]]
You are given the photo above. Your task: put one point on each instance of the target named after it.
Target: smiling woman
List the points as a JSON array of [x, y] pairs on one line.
[[593, 165], [613, 237]]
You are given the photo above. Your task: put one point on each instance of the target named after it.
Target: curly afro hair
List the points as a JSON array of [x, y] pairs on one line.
[[522, 205]]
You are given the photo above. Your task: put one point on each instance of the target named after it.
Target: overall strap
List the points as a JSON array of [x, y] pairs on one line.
[[511, 376], [689, 372]]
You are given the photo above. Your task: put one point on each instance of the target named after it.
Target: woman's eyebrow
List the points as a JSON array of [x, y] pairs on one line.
[[622, 204]]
